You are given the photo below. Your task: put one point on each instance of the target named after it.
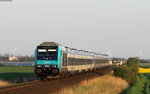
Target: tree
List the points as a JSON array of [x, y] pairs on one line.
[[133, 62], [129, 71], [126, 73]]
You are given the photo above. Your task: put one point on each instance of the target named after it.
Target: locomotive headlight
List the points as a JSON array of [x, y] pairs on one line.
[[54, 66], [39, 65]]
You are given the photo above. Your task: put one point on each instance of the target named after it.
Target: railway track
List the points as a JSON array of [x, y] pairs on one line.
[[13, 88]]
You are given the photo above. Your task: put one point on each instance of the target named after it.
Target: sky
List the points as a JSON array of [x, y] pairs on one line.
[[94, 25]]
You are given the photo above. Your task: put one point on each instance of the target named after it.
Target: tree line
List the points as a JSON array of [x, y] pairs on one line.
[[145, 61], [26, 58]]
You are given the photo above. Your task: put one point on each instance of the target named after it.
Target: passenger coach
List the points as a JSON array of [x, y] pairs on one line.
[[53, 59]]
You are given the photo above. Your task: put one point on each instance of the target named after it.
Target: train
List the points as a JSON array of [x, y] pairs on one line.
[[54, 59]]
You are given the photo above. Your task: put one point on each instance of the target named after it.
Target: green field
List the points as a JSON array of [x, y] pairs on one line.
[[142, 86], [144, 66], [16, 74]]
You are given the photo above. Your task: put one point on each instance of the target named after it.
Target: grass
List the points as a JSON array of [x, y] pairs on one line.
[[4, 83], [142, 86], [144, 66], [100, 85], [16, 69], [16, 74]]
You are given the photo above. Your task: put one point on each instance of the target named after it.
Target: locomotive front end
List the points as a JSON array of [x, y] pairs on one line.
[[47, 60]]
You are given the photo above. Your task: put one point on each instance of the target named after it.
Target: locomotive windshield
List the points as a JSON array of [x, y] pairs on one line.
[[42, 52], [47, 53]]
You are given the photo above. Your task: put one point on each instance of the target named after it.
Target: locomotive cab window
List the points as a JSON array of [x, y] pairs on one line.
[[52, 51], [47, 53], [42, 51]]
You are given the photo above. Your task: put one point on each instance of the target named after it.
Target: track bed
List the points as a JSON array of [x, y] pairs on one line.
[[52, 85]]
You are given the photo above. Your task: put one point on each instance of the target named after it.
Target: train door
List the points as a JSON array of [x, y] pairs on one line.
[[64, 63]]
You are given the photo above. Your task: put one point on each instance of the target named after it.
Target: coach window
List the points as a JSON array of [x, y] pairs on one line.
[[69, 60], [85, 61], [72, 61], [76, 61], [91, 61], [80, 61]]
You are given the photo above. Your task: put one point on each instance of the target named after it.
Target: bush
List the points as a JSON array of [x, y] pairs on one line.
[[126, 73], [129, 71], [133, 62]]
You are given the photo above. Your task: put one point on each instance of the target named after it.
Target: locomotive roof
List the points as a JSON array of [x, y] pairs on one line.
[[49, 44]]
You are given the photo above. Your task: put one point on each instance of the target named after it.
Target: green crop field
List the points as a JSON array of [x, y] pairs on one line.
[[144, 65], [142, 86], [16, 73]]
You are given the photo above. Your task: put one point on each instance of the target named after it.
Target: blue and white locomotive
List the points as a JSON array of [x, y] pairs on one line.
[[53, 59]]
